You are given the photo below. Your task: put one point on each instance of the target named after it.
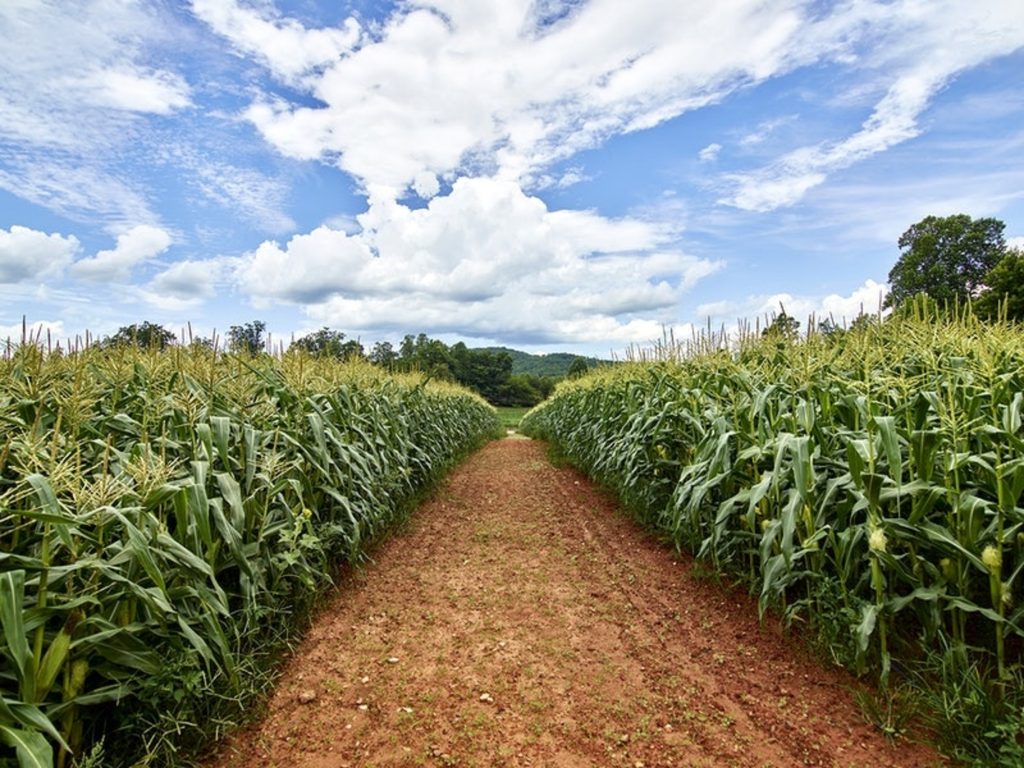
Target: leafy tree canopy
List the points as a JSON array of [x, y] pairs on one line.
[[248, 338], [578, 368], [328, 343], [1005, 288], [946, 257], [146, 335], [783, 327], [383, 354]]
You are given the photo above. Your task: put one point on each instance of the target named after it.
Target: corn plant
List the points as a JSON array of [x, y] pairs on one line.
[[167, 520], [869, 482]]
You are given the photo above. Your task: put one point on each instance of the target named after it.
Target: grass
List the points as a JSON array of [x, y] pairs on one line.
[[510, 417]]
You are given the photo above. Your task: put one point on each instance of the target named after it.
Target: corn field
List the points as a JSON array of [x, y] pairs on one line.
[[167, 520], [867, 483]]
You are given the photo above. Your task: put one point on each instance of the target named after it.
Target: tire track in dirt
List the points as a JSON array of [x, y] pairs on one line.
[[522, 621]]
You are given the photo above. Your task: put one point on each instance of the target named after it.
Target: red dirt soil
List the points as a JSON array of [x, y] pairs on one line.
[[523, 620]]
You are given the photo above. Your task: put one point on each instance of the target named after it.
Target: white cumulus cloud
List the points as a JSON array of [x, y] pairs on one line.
[[190, 279], [484, 258], [842, 308], [462, 86], [134, 247], [26, 254], [454, 86]]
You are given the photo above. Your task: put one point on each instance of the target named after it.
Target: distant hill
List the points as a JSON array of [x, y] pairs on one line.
[[554, 364]]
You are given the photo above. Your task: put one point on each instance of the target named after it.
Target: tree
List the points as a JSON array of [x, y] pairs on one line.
[[328, 343], [1004, 286], [248, 338], [383, 354], [426, 355], [145, 335], [947, 258], [481, 370], [829, 327], [783, 327], [578, 368], [517, 391]]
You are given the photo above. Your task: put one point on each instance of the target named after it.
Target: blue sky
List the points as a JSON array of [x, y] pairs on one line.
[[545, 174]]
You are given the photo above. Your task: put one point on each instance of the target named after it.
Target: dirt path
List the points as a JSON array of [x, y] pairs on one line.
[[521, 621]]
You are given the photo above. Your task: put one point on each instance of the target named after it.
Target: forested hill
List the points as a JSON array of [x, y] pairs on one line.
[[555, 364]]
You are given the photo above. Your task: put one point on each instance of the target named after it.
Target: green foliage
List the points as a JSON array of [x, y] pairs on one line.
[[486, 371], [384, 355], [946, 258], [553, 365], [483, 372], [868, 483], [247, 339], [523, 390], [145, 335], [1004, 296], [783, 328], [578, 368], [328, 343], [167, 520], [426, 355]]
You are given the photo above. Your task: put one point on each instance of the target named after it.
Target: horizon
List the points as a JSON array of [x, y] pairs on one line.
[[551, 176]]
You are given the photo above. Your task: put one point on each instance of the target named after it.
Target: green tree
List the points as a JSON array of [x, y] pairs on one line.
[[248, 338], [518, 391], [383, 354], [783, 327], [430, 356], [145, 335], [1004, 288], [484, 371], [578, 368], [328, 343], [946, 257]]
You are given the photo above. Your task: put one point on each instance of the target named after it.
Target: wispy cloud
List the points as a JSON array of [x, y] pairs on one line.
[[709, 153], [76, 86], [284, 45], [927, 46]]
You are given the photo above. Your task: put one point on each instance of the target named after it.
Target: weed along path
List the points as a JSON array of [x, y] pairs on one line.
[[522, 621]]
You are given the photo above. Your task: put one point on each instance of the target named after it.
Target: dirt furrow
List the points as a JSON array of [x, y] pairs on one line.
[[523, 621]]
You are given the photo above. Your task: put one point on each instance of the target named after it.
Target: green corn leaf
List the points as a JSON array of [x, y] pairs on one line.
[[886, 426], [220, 427], [866, 627], [12, 600], [32, 748], [31, 717], [55, 655]]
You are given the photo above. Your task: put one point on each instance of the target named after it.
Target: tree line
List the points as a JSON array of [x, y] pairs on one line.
[[486, 371]]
